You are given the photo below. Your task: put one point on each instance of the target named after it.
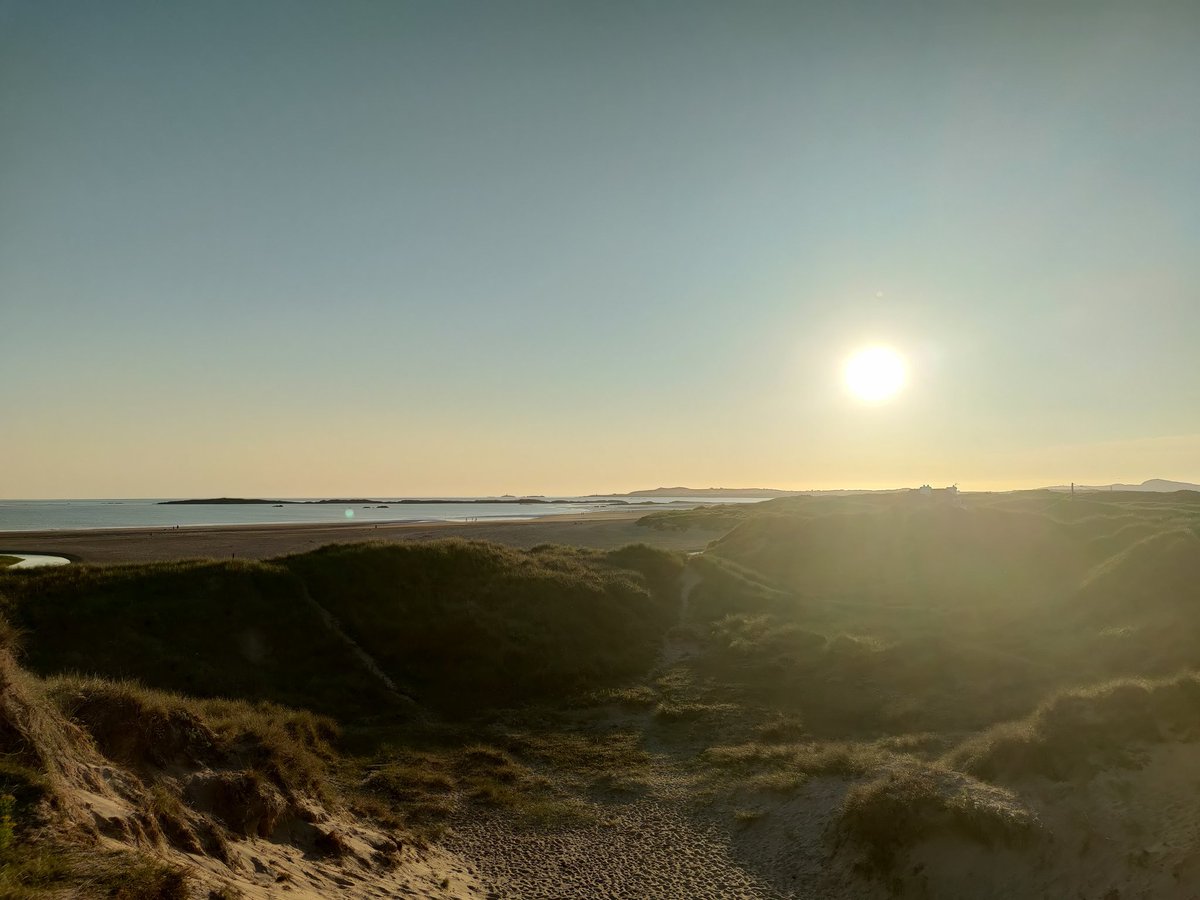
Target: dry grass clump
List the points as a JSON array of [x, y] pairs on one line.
[[836, 758], [529, 775], [424, 789], [780, 728], [1075, 733], [150, 730], [294, 748], [579, 755], [637, 697], [763, 638], [43, 759], [53, 870], [913, 801], [604, 764], [670, 711], [35, 744]]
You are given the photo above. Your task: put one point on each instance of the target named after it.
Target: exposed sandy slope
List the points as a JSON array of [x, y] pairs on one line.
[[268, 870], [369, 864], [1125, 833]]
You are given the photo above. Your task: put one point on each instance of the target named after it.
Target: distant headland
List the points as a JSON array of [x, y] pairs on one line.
[[765, 493]]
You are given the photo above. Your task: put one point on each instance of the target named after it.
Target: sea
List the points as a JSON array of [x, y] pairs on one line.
[[53, 515]]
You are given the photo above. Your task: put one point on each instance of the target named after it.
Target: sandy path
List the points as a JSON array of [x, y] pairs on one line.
[[602, 530], [653, 846], [649, 848]]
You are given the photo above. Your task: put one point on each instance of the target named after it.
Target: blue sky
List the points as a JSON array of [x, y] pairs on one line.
[[298, 248]]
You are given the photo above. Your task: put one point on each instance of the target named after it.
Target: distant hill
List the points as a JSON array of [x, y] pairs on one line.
[[709, 492], [1158, 485], [764, 493]]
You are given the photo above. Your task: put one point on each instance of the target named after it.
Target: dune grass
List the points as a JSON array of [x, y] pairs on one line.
[[205, 629], [721, 516], [535, 773], [807, 759], [50, 870], [421, 790], [150, 731], [914, 801], [1077, 732], [469, 626], [6, 561], [909, 553], [726, 588], [855, 640]]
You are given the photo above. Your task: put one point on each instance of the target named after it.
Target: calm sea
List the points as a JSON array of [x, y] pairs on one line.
[[45, 515]]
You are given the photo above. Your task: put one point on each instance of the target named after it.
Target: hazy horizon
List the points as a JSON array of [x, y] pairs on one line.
[[393, 495], [441, 249]]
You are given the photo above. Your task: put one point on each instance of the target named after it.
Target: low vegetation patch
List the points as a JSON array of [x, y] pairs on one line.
[[727, 588], [914, 801], [909, 551], [425, 789], [1075, 733], [203, 629], [149, 731], [719, 516], [682, 711], [835, 758], [636, 697], [43, 870], [470, 626]]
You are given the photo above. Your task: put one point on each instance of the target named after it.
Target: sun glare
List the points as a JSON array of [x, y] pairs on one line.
[[875, 374]]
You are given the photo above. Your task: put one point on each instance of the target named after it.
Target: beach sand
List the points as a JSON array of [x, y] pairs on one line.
[[601, 530]]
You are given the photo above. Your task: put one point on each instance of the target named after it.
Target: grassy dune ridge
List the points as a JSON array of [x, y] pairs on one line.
[[880, 673], [204, 628], [473, 626]]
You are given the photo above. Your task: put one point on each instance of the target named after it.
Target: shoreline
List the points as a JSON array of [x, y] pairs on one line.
[[598, 529]]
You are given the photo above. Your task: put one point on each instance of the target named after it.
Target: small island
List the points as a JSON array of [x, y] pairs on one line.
[[378, 504]]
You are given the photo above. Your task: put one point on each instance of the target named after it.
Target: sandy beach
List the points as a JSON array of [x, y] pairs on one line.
[[602, 530]]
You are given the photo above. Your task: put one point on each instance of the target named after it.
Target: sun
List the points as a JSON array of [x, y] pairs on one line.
[[875, 374]]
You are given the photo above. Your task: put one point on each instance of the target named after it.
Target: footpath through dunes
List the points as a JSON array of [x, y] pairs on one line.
[[647, 848], [457, 719]]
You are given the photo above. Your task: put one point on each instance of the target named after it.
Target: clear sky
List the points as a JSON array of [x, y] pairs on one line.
[[326, 248]]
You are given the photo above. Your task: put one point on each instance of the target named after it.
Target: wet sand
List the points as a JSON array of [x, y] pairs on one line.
[[600, 530]]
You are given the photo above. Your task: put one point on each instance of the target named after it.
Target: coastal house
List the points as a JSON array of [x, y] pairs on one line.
[[949, 492]]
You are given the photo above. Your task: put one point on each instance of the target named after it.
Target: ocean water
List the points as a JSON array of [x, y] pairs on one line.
[[47, 515]]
